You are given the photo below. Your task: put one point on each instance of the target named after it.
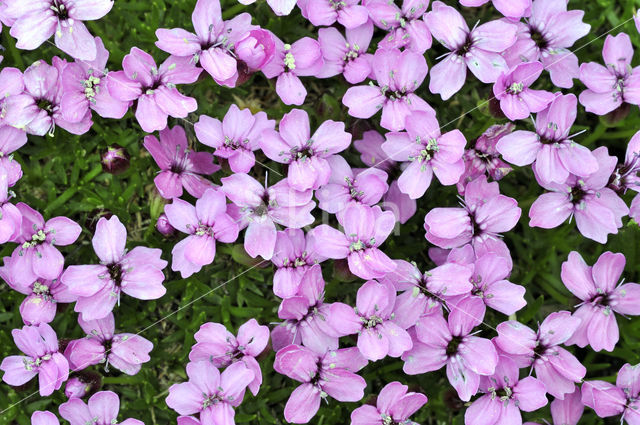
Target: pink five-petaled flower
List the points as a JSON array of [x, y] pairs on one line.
[[505, 396], [515, 9], [550, 146], [601, 298], [405, 25], [484, 215], [291, 61], [205, 224], [546, 36], [101, 409], [180, 167], [213, 43], [365, 229], [153, 88], [513, 89], [478, 49], [623, 398], [36, 22], [137, 273], [439, 342], [210, 393], [614, 84], [305, 154], [306, 317], [397, 75], [394, 405], [346, 55], [557, 368], [37, 256], [259, 208], [45, 417], [372, 320], [40, 344], [428, 151], [126, 352], [236, 137], [597, 209], [216, 344], [322, 375], [324, 13]]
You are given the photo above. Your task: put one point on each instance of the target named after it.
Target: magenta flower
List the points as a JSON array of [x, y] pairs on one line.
[[290, 62], [85, 88], [37, 256], [236, 137], [213, 43], [45, 417], [345, 186], [40, 345], [324, 13], [616, 83], [36, 22], [219, 346], [394, 405], [484, 215], [513, 89], [126, 352], [397, 75], [428, 151], [477, 49], [346, 55], [210, 393], [255, 49], [365, 229], [153, 88], [555, 154], [101, 409], [137, 273], [205, 224], [405, 25], [181, 168], [601, 298], [305, 154], [622, 398], [307, 318], [322, 375], [505, 396], [514, 9], [597, 209], [76, 387], [546, 36], [625, 176], [11, 139], [293, 254], [555, 367]]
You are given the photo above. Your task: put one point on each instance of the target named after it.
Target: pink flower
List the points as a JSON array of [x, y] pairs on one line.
[[10, 216], [478, 49], [236, 137], [13, 103], [365, 229], [515, 9], [154, 89], [439, 342], [557, 368], [40, 417], [126, 352], [567, 411], [428, 151], [513, 89], [305, 154], [36, 22], [597, 209], [325, 13], [505, 396], [346, 55], [11, 139], [393, 405], [596, 287], [205, 224], [180, 166], [76, 387], [255, 49], [137, 273], [213, 43], [608, 87], [608, 400], [555, 154], [39, 343], [397, 75], [405, 24], [210, 393], [259, 208], [625, 176], [220, 347], [371, 153], [102, 408], [322, 375]]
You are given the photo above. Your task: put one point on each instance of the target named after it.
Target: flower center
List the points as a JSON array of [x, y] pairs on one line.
[[538, 38], [452, 347], [428, 151], [371, 322], [60, 10], [36, 239], [515, 88], [91, 87], [115, 273], [289, 60]]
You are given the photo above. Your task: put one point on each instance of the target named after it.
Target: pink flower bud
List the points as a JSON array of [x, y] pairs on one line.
[[115, 159], [163, 226], [76, 388], [256, 49]]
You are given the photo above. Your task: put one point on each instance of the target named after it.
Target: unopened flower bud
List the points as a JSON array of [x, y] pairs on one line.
[[163, 226], [256, 49], [115, 159]]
